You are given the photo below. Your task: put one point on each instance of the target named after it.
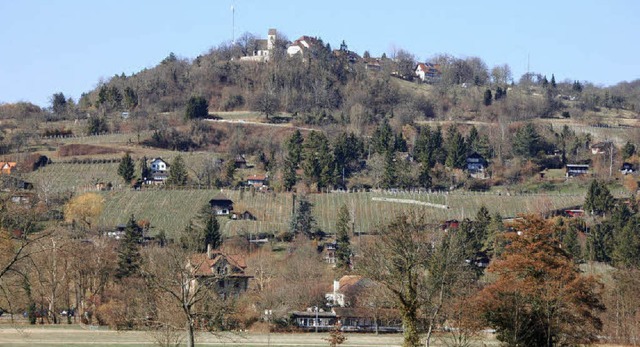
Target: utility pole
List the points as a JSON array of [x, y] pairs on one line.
[[233, 24]]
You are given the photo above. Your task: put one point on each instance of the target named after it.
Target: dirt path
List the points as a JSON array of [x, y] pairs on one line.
[[242, 121]]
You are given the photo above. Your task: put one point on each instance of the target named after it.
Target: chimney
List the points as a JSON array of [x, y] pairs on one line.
[[209, 251]]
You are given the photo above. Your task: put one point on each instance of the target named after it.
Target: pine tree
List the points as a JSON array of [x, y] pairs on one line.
[[145, 172], [488, 97], [390, 175], [456, 149], [129, 258], [289, 178], [212, 235], [302, 221], [527, 142], [294, 148], [126, 169], [343, 251], [178, 172], [424, 178], [553, 81], [599, 200]]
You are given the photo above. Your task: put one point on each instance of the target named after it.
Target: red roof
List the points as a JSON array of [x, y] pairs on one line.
[[257, 178], [203, 264]]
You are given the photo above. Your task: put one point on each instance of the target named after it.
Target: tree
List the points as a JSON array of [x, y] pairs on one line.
[[294, 148], [527, 142], [145, 172], [628, 150], [178, 172], [130, 98], [268, 103], [488, 97], [343, 251], [553, 81], [58, 103], [126, 168], [129, 258], [84, 209], [183, 296], [302, 220], [197, 107], [212, 235], [97, 125], [599, 200], [540, 298], [399, 260], [456, 149]]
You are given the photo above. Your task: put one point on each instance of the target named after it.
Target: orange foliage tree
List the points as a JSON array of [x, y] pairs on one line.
[[539, 297]]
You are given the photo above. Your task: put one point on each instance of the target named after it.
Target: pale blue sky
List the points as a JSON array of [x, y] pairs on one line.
[[68, 45]]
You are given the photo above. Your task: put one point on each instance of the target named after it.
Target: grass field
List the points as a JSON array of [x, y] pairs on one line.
[[170, 210], [74, 335]]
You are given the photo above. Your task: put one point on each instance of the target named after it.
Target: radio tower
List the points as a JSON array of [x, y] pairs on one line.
[[233, 24]]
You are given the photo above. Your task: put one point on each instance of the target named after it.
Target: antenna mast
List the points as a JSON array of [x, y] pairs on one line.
[[233, 24]]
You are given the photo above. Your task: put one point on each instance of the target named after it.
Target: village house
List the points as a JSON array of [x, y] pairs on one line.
[[7, 167], [262, 48], [221, 205], [476, 165], [575, 170], [159, 171], [346, 290], [227, 270], [601, 147], [302, 45], [240, 162], [257, 181], [428, 72]]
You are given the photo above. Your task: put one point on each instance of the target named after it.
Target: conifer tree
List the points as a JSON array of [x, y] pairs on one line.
[[178, 172], [126, 169], [488, 97], [302, 221], [456, 149], [343, 251], [212, 235], [145, 172], [599, 200], [129, 258]]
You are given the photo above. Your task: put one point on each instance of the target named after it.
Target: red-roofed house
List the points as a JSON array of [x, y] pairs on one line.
[[346, 290], [428, 72], [228, 270], [6, 167]]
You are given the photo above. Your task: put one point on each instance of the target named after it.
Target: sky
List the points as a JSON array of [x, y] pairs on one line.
[[70, 46]]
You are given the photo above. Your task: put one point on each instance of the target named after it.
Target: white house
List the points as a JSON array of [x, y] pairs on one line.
[[301, 45], [158, 166], [427, 72]]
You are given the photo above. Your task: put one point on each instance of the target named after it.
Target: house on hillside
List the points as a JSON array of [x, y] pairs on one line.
[[302, 45], [347, 289], [262, 48], [246, 215], [159, 171], [372, 64], [257, 181], [240, 162], [476, 165], [428, 72], [221, 205], [225, 272], [601, 147], [627, 168], [7, 167], [575, 170]]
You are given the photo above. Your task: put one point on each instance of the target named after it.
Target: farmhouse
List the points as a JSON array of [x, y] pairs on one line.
[[221, 205], [302, 45], [240, 162], [574, 170]]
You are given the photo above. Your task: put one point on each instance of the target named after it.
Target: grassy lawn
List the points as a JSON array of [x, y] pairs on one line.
[[83, 336]]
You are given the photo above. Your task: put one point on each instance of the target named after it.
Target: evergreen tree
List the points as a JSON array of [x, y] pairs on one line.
[[343, 251], [129, 257], [599, 200], [318, 163], [197, 107], [424, 177], [488, 97], [294, 148], [553, 81], [127, 168], [177, 172], [628, 150], [626, 251], [545, 82], [456, 149], [289, 177], [145, 172], [494, 243], [570, 243], [390, 175], [527, 142], [302, 221], [212, 235], [383, 139]]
